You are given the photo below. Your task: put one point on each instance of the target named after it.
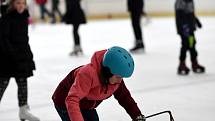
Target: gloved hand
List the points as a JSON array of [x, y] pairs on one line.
[[198, 23], [140, 118], [186, 30]]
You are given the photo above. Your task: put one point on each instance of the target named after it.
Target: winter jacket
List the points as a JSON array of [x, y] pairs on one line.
[[185, 17], [135, 5], [82, 88], [16, 56], [39, 2], [74, 13]]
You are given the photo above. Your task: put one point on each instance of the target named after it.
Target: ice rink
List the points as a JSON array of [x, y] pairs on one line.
[[154, 85]]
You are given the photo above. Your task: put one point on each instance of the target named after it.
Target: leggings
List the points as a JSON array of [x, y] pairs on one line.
[[22, 89], [76, 34]]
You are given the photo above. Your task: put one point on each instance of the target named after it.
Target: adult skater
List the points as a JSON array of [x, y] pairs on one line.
[[135, 8], [186, 22], [85, 87], [75, 15]]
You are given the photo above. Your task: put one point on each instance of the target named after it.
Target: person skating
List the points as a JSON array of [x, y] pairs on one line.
[[16, 56], [186, 22], [86, 86], [55, 9], [75, 15], [135, 8]]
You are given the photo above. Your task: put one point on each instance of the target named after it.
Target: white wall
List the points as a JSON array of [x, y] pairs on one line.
[[105, 7]]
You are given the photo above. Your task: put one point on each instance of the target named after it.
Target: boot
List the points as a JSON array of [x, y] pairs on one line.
[[183, 69], [137, 48], [197, 68], [24, 114], [77, 50]]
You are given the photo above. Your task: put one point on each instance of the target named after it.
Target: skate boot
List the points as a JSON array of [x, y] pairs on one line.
[[183, 69], [24, 114], [137, 48], [197, 68], [77, 51]]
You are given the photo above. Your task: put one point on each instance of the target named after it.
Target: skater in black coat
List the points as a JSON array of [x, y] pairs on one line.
[[186, 23], [16, 56], [135, 8], [75, 15]]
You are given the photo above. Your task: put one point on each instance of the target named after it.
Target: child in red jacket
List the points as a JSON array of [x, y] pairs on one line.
[[85, 87]]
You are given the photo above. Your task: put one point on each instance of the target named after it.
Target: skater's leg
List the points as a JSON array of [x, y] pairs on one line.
[[62, 112], [77, 46], [196, 67], [135, 21], [3, 85], [182, 68], [76, 34], [24, 111], [90, 115], [22, 91]]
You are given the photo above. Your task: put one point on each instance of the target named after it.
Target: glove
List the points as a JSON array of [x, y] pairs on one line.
[[198, 23], [186, 30], [140, 118]]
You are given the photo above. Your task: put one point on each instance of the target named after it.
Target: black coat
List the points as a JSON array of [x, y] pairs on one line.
[[16, 56], [184, 14], [74, 13], [135, 5]]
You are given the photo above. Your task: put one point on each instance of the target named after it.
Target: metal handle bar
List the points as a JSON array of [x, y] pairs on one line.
[[169, 112]]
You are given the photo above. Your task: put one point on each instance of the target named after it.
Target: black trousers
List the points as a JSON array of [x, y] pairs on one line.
[[136, 25], [187, 47], [88, 115], [22, 89]]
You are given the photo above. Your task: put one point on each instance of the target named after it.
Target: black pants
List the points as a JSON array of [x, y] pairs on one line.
[[186, 47], [136, 25], [43, 11], [76, 34], [88, 115], [22, 89]]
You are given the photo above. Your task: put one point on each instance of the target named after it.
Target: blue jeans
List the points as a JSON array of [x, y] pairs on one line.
[[88, 115]]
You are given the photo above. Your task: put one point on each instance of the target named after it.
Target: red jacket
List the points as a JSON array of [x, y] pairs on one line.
[[82, 88], [39, 2]]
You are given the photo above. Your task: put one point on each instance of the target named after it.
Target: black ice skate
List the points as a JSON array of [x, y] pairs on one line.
[[138, 48], [77, 51], [183, 69], [197, 68]]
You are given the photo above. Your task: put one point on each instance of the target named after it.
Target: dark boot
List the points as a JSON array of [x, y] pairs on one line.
[[137, 48], [197, 68], [183, 69]]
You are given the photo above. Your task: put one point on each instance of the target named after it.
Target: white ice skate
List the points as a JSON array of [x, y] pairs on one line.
[[77, 51], [24, 114]]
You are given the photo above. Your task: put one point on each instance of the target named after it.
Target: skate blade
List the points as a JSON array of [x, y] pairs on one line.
[[183, 73], [139, 51], [199, 71], [76, 54]]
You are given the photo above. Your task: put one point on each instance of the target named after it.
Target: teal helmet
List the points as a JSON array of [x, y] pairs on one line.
[[119, 61]]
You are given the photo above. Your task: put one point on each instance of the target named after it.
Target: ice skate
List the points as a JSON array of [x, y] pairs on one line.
[[183, 69], [138, 48], [197, 68], [24, 114], [77, 51]]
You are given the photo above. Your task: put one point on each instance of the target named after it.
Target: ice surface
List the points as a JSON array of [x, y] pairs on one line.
[[154, 85]]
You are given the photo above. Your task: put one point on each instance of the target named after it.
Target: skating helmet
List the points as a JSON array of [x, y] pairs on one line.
[[119, 61]]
